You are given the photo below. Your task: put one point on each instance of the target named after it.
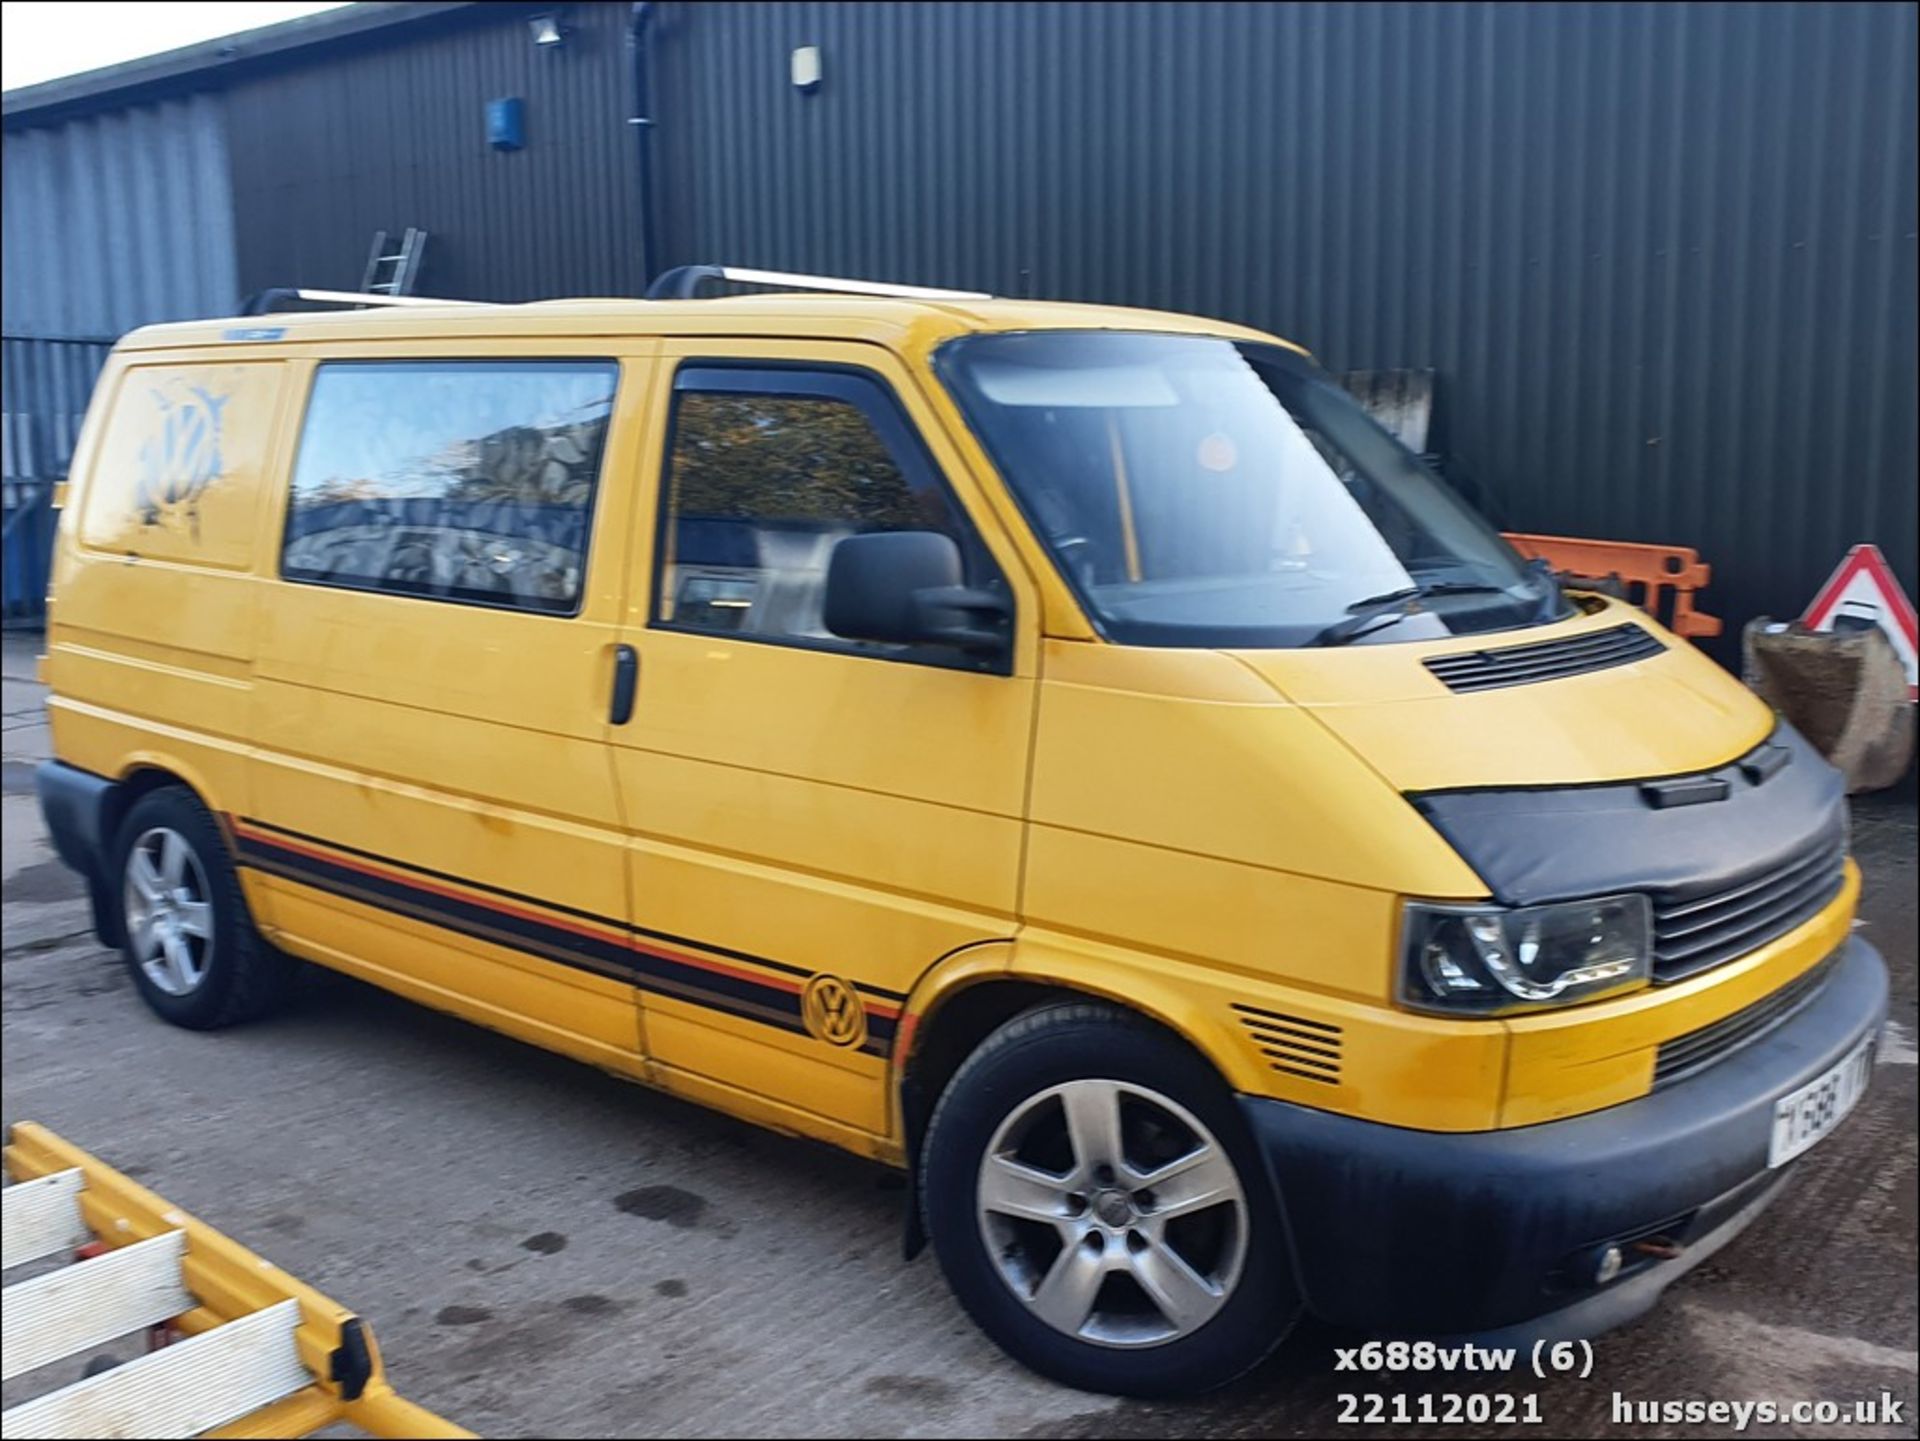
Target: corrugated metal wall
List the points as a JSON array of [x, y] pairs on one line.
[[390, 135], [1662, 257], [44, 388], [118, 219]]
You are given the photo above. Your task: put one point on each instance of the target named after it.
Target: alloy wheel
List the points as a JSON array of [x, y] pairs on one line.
[[1113, 1213], [169, 911]]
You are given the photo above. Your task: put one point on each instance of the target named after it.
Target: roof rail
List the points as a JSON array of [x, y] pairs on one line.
[[263, 301], [684, 281]]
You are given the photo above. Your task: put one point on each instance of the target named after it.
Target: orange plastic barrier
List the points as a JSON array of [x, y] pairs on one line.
[[1660, 579]]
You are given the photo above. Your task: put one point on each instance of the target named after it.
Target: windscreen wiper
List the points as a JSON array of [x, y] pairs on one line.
[[1377, 612]]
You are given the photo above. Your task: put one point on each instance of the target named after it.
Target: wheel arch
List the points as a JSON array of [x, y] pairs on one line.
[[970, 993], [139, 777]]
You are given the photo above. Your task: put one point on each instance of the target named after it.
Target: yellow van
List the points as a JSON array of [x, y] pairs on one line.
[[1070, 753]]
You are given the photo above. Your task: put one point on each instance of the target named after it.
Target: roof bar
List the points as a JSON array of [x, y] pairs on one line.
[[684, 281], [265, 301]]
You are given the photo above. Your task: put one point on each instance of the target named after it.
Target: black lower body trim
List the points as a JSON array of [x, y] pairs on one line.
[[81, 810]]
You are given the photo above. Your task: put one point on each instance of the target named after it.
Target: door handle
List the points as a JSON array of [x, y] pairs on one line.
[[626, 680]]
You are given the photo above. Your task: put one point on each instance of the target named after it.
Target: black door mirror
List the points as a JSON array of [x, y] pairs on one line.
[[904, 587]]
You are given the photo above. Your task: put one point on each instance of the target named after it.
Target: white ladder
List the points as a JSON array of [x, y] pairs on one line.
[[192, 1386], [393, 273]]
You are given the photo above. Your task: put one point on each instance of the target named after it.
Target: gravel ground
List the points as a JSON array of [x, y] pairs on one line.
[[545, 1251]]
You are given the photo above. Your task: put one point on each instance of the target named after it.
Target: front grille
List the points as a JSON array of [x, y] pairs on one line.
[[1694, 931], [1684, 1055], [1293, 1044], [1544, 660]]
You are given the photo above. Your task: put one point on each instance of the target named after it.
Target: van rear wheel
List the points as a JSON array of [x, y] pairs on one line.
[[1101, 1211], [188, 937]]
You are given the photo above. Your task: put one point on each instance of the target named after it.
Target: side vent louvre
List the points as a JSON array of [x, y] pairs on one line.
[[1544, 660], [1294, 1045]]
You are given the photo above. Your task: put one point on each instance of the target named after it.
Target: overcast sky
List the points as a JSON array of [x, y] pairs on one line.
[[45, 39]]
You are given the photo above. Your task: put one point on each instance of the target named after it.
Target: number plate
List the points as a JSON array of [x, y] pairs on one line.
[[1802, 1117]]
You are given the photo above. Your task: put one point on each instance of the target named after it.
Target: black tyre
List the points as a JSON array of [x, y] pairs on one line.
[[1099, 1208], [188, 937]]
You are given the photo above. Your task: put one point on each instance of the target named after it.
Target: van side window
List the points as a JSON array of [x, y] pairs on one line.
[[455, 480], [768, 471]]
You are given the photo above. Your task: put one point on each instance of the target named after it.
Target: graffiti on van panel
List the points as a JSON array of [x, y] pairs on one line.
[[180, 457]]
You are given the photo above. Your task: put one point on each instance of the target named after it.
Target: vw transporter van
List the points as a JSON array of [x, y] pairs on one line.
[[1070, 753]]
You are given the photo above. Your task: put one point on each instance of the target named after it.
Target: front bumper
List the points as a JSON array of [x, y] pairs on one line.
[[1428, 1233]]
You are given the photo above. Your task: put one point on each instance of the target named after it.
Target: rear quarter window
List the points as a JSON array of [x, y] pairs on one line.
[[182, 463], [467, 481]]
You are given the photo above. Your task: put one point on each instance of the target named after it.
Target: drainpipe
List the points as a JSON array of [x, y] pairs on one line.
[[642, 122]]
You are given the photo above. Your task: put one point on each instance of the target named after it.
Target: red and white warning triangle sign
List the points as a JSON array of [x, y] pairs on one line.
[[1863, 591]]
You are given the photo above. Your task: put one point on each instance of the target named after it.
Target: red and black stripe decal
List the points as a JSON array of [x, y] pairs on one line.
[[754, 988]]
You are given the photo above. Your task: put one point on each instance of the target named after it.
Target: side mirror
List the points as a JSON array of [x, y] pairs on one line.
[[904, 587]]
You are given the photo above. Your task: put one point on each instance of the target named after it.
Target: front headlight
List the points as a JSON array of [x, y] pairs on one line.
[[1483, 959]]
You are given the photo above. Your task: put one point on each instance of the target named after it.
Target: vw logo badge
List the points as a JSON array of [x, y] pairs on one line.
[[833, 1013]]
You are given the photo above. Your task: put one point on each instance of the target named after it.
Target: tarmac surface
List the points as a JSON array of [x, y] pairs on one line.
[[545, 1251]]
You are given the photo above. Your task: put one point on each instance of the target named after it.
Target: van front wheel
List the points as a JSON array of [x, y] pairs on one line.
[[188, 937], [1100, 1210]]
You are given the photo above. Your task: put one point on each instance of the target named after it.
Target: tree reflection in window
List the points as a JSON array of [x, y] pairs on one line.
[[761, 488], [792, 458]]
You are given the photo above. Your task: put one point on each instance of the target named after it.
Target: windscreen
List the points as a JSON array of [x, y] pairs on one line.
[[1199, 491]]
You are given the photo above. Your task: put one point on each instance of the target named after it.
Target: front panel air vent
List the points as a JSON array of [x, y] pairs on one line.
[[1294, 1045], [1544, 660]]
